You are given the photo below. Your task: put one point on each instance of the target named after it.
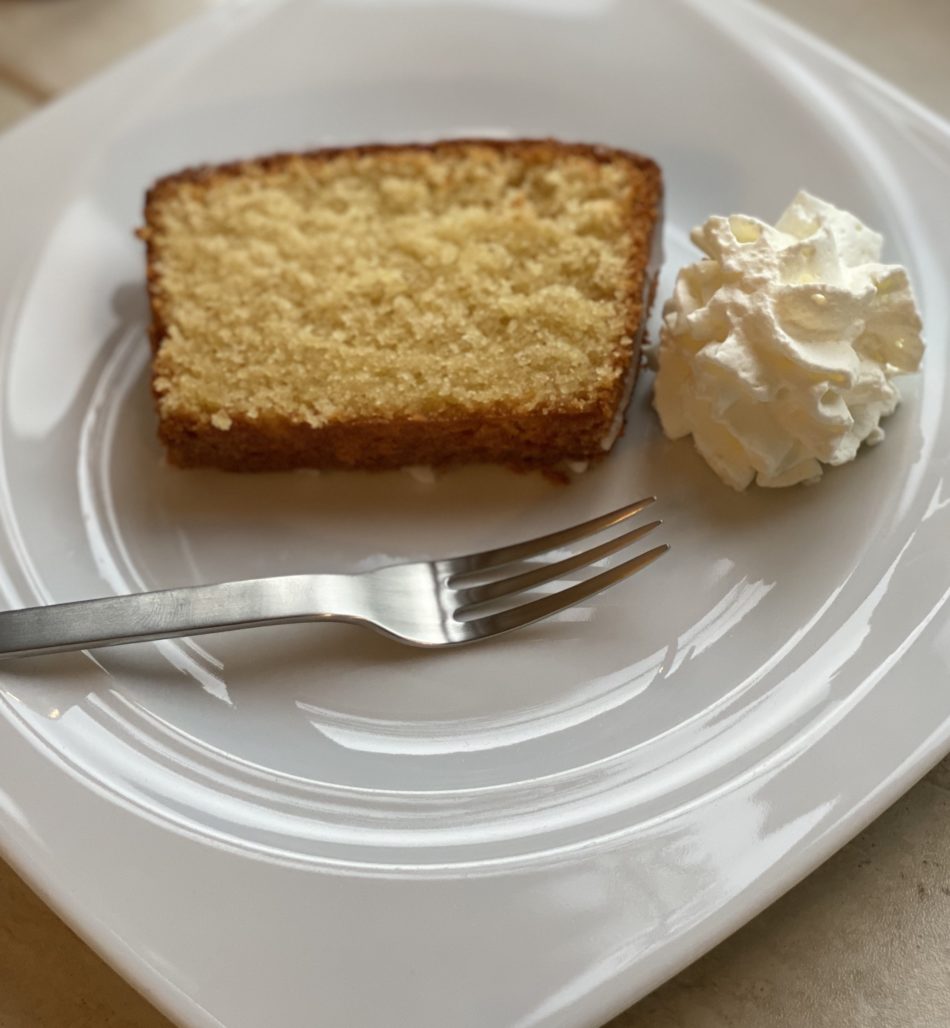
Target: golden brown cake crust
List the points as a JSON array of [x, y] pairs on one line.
[[563, 432], [518, 441]]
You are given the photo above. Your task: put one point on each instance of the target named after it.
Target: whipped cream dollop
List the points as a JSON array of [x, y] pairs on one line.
[[777, 351]]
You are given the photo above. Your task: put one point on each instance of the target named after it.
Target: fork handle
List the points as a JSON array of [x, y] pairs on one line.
[[169, 613]]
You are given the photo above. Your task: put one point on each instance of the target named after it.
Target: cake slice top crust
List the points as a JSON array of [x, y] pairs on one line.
[[387, 282]]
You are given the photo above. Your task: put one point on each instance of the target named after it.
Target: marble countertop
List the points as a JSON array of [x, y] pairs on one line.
[[863, 942]]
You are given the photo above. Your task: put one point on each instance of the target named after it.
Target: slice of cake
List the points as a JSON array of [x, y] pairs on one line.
[[382, 306]]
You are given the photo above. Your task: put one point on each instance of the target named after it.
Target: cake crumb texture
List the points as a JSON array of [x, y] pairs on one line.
[[465, 285]]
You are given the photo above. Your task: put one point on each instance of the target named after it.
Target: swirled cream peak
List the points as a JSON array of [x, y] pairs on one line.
[[778, 349]]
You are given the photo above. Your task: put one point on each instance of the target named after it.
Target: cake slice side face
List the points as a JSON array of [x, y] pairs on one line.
[[375, 307]]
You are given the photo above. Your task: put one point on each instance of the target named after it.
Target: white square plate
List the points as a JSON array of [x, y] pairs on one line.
[[313, 825]]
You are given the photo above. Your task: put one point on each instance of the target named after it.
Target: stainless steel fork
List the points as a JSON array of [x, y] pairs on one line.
[[425, 603]]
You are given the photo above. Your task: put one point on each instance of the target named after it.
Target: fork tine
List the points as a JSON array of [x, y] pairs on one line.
[[535, 610], [547, 572], [519, 551]]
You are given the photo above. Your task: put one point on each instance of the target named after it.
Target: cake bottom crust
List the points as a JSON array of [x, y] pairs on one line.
[[524, 441]]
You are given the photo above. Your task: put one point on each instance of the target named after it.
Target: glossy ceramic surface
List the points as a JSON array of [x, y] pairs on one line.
[[311, 825]]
